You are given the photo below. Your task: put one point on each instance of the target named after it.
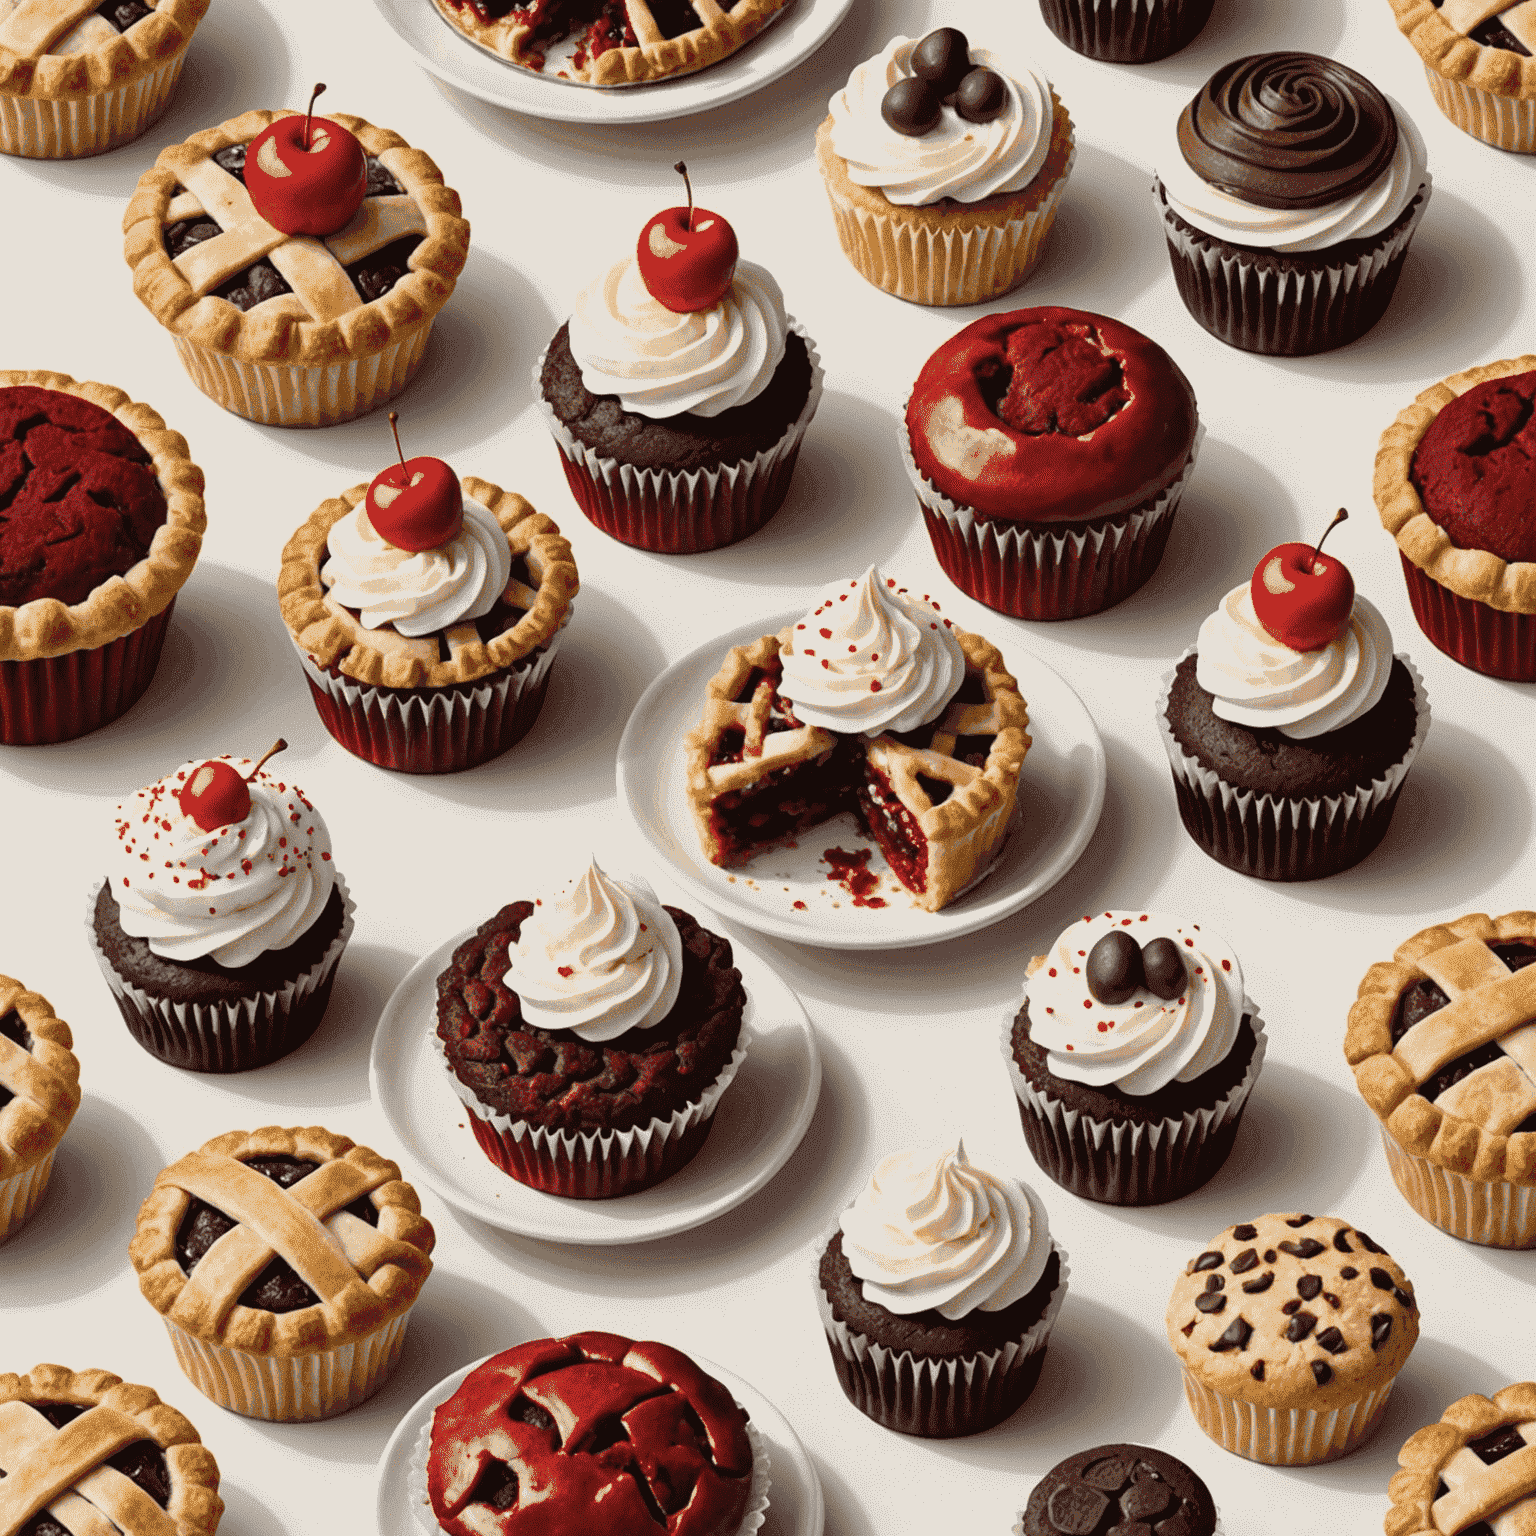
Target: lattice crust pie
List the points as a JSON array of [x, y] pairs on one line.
[[39, 1094], [621, 42], [937, 800], [1486, 43], [1473, 1473], [1442, 1040], [89, 1454]]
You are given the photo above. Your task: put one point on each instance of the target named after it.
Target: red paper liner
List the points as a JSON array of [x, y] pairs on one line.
[[57, 698], [1485, 639], [1126, 31]]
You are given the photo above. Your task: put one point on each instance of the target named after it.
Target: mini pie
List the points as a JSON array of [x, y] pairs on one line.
[[39, 1094], [284, 1264], [285, 329], [89, 1453]]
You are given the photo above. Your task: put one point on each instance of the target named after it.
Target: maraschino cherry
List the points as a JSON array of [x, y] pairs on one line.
[[415, 504], [1303, 600], [687, 256], [217, 795], [306, 175]]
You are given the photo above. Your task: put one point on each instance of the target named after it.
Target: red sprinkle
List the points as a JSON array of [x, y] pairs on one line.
[[564, 970], [874, 686]]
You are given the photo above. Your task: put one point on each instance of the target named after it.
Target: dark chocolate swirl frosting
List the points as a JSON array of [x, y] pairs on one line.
[[1288, 130]]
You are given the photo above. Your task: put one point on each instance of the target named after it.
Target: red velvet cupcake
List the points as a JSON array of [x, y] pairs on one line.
[[1049, 449]]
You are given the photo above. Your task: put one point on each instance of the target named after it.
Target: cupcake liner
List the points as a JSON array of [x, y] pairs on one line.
[[1495, 1213], [1126, 31], [673, 512], [1241, 298], [1506, 122], [1481, 637], [1031, 574], [291, 1389], [1289, 838], [595, 1165], [226, 1036], [431, 730], [57, 698], [937, 1399], [1285, 1437], [21, 1192], [1130, 1163], [67, 129]]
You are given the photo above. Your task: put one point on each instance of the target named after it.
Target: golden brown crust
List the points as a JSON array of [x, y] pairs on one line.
[[44, 1080], [1509, 586], [387, 1276], [116, 62], [1455, 56], [47, 627], [275, 332], [335, 638]]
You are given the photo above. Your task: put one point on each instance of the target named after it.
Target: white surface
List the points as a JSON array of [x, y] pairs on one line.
[[908, 1039], [787, 892], [762, 1116]]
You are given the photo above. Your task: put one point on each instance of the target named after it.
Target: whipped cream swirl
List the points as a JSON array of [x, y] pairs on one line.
[[597, 956], [1144, 1043], [956, 159], [933, 1231], [1258, 681], [869, 657], [417, 592], [662, 364], [229, 895]]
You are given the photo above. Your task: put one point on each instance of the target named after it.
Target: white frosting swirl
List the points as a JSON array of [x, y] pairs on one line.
[[417, 592], [1359, 216], [869, 657], [1144, 1043], [956, 159], [228, 895], [597, 956], [931, 1230], [1260, 681], [664, 364]]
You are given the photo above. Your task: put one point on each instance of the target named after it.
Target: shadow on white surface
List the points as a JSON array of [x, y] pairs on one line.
[[244, 1514], [845, 1517], [1239, 27]]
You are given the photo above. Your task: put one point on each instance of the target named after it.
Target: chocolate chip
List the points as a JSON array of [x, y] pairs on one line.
[[1244, 1261], [1341, 1240], [1367, 1244], [1348, 1272], [1207, 1261], [1297, 1221], [1146, 1499], [1300, 1326], [1382, 1280], [1108, 1476], [1215, 1283], [1210, 1301], [1304, 1248], [1256, 1370], [1245, 1233], [1075, 1510], [1308, 1286], [1261, 1283], [1402, 1298], [1322, 1372], [1269, 1255], [1332, 1300], [1189, 1327], [1381, 1328], [1290, 1307], [1236, 1337], [1333, 1341]]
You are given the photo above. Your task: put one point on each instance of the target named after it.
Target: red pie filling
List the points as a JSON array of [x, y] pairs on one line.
[[894, 828]]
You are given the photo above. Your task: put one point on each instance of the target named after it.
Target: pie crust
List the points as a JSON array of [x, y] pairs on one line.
[[1450, 53], [45, 1081], [335, 638], [63, 1471]]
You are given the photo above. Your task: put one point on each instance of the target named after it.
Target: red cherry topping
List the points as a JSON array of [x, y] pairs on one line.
[[687, 256], [306, 176], [1300, 598], [415, 504], [217, 796]]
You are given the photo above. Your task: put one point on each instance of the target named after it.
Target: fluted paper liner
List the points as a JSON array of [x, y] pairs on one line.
[[21, 1192], [1276, 837], [1478, 635], [1126, 31], [1506, 122], [1492, 1212], [41, 128], [226, 1036], [595, 1165], [1285, 1437]]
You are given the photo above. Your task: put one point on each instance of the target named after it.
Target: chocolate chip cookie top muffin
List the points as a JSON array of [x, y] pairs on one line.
[[1112, 1490]]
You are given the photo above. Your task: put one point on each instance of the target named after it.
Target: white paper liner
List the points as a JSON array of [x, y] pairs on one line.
[[1506, 122], [1126, 31], [1286, 1437], [20, 1193], [1493, 1212], [1270, 829], [66, 129], [221, 1036]]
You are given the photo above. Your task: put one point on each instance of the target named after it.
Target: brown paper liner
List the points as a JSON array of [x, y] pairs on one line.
[[21, 1192], [1483, 638], [1506, 122], [41, 128], [1493, 1212], [1126, 31], [1285, 1437]]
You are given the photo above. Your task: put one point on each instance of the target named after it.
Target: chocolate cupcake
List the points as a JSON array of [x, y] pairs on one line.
[[1126, 31], [1289, 196], [1114, 1489]]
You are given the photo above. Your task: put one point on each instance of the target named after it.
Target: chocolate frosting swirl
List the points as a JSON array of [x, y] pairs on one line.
[[1288, 130]]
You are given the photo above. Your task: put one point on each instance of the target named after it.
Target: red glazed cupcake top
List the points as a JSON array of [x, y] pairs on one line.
[[1050, 415], [1475, 469], [79, 501]]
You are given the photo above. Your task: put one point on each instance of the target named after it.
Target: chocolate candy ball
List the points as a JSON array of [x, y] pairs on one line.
[[1163, 967], [1114, 968], [911, 107], [943, 58], [981, 96]]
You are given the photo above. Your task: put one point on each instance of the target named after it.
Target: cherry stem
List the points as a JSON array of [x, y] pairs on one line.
[[277, 746], [682, 171], [394, 426], [1338, 517], [310, 113]]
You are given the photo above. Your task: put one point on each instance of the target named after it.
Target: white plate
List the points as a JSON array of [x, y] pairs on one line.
[[795, 1506], [1061, 793], [760, 1121], [791, 38]]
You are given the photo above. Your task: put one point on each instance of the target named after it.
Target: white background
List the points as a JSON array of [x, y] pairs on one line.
[[909, 1040]]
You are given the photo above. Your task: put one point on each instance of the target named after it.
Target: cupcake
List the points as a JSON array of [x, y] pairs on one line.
[[1049, 449], [1132, 1056], [1454, 486], [1291, 1331], [590, 1033], [1291, 726], [1119, 1488], [872, 703], [938, 1291], [1126, 31], [1289, 196], [39, 1094], [426, 610], [297, 261], [1478, 61], [944, 169], [1440, 1042], [222, 918], [301, 1312], [83, 618], [678, 391]]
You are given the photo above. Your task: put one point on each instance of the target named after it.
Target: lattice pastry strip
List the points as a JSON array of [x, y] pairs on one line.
[[34, 27], [1517, 17], [1499, 1492], [44, 1080], [1487, 1000], [904, 766]]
